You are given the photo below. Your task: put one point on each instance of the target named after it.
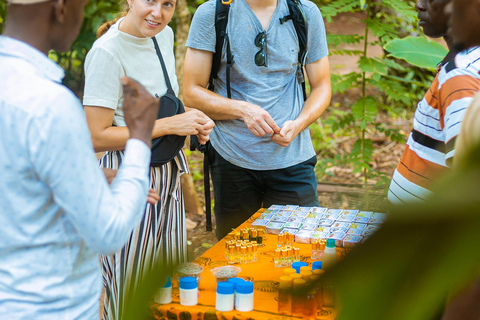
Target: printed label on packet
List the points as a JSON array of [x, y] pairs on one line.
[[274, 227], [333, 214], [355, 232], [340, 224], [322, 210], [303, 236], [378, 218], [275, 207], [317, 235], [293, 225], [326, 222], [357, 225], [309, 227]]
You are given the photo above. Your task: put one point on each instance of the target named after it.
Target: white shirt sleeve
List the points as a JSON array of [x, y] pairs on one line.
[[62, 153], [102, 79]]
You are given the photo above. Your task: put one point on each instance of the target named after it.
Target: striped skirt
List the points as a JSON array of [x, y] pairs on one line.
[[160, 235]]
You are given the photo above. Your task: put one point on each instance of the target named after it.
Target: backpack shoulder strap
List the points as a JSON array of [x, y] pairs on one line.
[[300, 23], [221, 21]]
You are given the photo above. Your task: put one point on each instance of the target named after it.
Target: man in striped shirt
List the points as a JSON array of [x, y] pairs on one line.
[[431, 145]]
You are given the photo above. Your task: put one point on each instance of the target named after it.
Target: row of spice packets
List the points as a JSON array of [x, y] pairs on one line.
[[309, 224]]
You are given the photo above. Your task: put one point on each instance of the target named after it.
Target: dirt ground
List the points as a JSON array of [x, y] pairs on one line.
[[386, 155]]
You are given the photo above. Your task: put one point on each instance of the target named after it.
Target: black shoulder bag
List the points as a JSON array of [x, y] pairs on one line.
[[165, 148]]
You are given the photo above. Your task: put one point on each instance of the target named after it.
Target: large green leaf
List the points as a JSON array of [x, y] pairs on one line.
[[417, 51]]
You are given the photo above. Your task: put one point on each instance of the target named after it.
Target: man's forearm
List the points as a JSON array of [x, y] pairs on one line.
[[212, 104], [315, 106]]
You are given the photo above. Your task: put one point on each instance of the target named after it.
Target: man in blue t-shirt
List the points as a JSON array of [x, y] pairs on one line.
[[261, 151]]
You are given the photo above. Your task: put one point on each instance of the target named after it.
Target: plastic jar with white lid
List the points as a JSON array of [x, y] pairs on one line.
[[164, 294], [225, 296], [244, 291], [188, 291]]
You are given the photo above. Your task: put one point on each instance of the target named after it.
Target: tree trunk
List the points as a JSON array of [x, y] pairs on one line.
[[192, 203]]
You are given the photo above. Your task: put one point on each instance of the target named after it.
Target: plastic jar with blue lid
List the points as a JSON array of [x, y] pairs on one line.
[[188, 291], [244, 291], [225, 296]]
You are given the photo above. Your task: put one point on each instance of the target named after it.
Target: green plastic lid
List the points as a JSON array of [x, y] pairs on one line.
[[331, 243]]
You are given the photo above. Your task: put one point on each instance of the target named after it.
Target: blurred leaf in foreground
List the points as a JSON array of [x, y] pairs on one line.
[[422, 253]]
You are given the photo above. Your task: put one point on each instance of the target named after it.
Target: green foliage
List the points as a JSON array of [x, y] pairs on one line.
[[3, 13], [417, 51], [96, 13], [385, 84], [407, 270]]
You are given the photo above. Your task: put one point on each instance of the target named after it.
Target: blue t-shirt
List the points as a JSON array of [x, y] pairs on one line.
[[274, 88]]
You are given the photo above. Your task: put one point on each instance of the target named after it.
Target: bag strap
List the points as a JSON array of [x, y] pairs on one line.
[[164, 68], [221, 21], [300, 23]]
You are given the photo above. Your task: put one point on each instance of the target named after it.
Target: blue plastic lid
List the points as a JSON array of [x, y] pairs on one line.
[[317, 265], [245, 287], [331, 243], [188, 283], [234, 281], [168, 283], [225, 287], [297, 265]]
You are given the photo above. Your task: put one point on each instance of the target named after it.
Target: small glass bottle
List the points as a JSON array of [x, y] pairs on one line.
[[284, 262], [278, 257], [255, 249], [238, 253], [284, 295], [314, 250], [298, 297], [249, 253], [260, 237], [310, 306], [280, 240], [243, 255], [231, 255], [297, 255], [321, 249], [253, 235], [291, 256], [318, 290]]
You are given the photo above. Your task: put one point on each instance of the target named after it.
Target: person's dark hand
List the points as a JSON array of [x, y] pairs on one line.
[[140, 110]]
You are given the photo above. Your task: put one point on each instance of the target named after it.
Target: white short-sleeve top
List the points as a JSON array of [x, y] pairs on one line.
[[117, 54]]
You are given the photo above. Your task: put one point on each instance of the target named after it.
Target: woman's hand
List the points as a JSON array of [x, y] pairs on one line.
[[153, 197], [192, 122]]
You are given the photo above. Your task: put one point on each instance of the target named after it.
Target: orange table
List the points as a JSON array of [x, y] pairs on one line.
[[263, 273]]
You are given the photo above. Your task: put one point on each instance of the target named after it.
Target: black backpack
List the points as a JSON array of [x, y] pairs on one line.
[[299, 19]]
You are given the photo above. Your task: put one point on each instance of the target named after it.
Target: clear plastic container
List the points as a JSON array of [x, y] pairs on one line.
[[226, 272]]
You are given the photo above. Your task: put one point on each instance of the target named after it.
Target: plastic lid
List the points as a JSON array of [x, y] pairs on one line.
[[305, 268], [299, 283], [225, 288], [318, 271], [244, 287], [297, 265], [295, 276], [168, 283], [234, 281], [188, 283], [289, 271], [330, 243], [317, 265]]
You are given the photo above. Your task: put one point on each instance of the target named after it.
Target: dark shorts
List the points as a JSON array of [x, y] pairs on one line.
[[240, 192]]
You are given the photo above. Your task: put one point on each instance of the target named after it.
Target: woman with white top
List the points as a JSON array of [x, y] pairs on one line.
[[127, 49]]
